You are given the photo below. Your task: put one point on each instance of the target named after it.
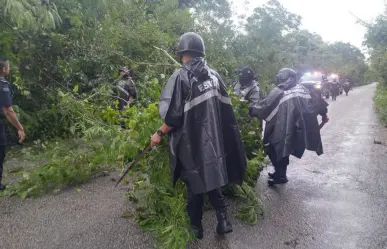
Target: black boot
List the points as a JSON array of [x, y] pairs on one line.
[[2, 187], [197, 231], [279, 177], [274, 174], [195, 212], [277, 180], [224, 225]]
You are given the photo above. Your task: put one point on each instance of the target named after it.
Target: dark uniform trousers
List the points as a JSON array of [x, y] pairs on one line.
[[5, 101], [2, 157], [280, 165], [195, 204]]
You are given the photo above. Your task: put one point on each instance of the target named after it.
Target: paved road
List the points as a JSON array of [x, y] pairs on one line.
[[90, 219], [336, 201]]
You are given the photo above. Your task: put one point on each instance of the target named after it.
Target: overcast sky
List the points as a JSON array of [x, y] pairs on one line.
[[329, 18]]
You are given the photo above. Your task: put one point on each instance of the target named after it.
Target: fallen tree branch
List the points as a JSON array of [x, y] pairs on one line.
[[169, 56], [141, 63]]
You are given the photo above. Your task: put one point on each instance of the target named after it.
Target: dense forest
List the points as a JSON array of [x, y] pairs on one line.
[[65, 56]]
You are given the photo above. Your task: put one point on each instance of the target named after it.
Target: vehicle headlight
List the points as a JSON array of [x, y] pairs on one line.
[[318, 86]]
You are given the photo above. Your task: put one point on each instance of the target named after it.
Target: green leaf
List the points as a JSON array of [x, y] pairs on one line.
[[127, 214]]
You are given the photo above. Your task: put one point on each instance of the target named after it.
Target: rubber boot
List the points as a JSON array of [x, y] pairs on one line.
[[277, 180], [274, 174], [197, 231], [279, 177], [224, 225]]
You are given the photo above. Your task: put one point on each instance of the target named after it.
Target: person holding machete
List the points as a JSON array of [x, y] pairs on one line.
[[290, 112], [206, 150]]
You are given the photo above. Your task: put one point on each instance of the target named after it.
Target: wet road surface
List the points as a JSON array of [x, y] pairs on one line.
[[335, 201], [90, 219], [338, 200]]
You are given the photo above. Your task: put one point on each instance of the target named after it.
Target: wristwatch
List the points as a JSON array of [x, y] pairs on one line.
[[160, 133]]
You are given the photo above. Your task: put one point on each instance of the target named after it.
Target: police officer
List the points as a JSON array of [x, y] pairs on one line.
[[126, 91], [206, 150], [6, 112], [346, 86], [350, 84], [248, 86], [335, 88], [292, 127]]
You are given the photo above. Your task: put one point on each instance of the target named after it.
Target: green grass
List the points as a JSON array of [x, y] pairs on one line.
[[381, 103]]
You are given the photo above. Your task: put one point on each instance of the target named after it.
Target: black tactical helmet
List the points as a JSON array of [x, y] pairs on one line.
[[247, 73], [286, 74], [191, 42]]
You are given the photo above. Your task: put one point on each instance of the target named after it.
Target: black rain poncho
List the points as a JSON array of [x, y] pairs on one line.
[[291, 113], [335, 88], [206, 149]]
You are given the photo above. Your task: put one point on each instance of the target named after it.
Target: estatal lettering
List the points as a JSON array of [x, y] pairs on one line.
[[213, 83]]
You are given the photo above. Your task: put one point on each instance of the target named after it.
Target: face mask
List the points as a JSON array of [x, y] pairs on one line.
[[245, 81]]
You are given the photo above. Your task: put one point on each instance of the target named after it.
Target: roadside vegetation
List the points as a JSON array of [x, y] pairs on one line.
[[376, 42]]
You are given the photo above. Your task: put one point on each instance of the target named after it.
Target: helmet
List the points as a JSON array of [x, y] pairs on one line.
[[124, 69], [247, 73], [191, 42], [286, 74], [246, 76]]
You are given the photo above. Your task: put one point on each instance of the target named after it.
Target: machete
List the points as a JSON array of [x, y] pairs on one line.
[[136, 160]]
